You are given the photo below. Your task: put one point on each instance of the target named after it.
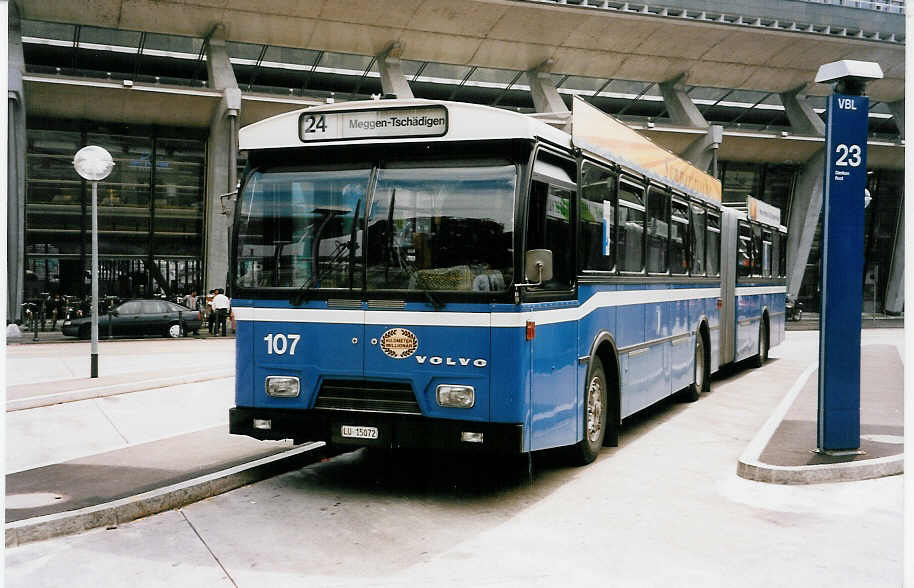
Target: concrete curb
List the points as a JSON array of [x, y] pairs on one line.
[[149, 503], [864, 469], [751, 467], [113, 389]]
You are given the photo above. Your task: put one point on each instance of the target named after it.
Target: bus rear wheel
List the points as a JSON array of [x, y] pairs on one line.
[[594, 415]]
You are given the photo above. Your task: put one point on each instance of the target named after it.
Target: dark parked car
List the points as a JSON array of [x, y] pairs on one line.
[[138, 317]]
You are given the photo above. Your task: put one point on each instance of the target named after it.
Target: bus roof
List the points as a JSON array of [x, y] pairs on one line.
[[598, 133], [370, 121], [417, 120]]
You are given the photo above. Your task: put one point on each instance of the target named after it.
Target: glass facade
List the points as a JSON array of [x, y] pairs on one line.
[[774, 183], [150, 211]]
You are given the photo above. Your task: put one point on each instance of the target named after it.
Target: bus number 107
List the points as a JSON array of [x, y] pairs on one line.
[[278, 344]]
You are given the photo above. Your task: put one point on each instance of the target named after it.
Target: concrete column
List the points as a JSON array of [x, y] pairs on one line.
[[806, 200], [392, 79], [897, 109], [894, 291], [15, 164], [681, 108], [545, 95], [805, 208], [684, 112], [803, 119], [221, 162], [702, 150]]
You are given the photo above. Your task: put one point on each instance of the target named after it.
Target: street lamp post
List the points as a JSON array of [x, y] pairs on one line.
[[94, 163]]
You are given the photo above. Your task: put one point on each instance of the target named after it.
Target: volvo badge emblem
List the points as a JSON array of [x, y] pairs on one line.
[[399, 343]]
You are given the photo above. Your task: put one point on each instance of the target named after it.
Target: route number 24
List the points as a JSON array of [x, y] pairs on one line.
[[313, 124], [279, 343], [848, 155]]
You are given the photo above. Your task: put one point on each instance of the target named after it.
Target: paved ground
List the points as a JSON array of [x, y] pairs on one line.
[[881, 415], [69, 359], [666, 508]]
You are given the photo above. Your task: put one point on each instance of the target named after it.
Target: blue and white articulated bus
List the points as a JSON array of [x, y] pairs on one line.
[[413, 273]]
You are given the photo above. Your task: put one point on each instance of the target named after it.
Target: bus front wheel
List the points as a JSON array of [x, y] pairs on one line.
[[594, 415]]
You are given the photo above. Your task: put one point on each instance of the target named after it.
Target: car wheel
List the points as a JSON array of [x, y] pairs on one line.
[[594, 415], [85, 331], [174, 331]]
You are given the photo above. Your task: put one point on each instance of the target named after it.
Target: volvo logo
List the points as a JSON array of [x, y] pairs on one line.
[[399, 343], [464, 361]]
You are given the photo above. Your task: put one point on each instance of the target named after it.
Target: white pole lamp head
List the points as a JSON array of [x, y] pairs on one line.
[[93, 163]]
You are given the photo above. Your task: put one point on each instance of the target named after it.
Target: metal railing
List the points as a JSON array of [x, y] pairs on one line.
[[732, 18]]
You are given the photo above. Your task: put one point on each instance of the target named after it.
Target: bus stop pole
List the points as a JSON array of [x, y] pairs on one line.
[[840, 318]]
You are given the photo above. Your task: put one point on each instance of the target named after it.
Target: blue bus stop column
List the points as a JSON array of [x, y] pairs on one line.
[[842, 273]]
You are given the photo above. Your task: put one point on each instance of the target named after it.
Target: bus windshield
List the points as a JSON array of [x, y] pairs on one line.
[[429, 227]]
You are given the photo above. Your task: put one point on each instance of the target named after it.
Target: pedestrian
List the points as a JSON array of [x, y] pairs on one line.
[[221, 305], [210, 312], [57, 311], [190, 301]]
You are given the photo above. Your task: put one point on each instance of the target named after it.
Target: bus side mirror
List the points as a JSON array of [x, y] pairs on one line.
[[537, 266]]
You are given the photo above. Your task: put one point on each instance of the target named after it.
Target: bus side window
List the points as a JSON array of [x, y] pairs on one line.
[[679, 238], [658, 231], [766, 253], [756, 250], [596, 212], [713, 245], [744, 250], [549, 227], [782, 255], [697, 240], [630, 228]]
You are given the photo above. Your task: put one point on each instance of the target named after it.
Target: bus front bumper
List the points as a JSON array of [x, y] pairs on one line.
[[376, 430]]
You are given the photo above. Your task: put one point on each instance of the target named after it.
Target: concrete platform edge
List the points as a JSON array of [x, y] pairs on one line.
[[750, 466], [155, 501], [821, 473], [113, 389]]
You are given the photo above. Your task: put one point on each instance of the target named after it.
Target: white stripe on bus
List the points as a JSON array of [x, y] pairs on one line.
[[472, 319], [755, 290]]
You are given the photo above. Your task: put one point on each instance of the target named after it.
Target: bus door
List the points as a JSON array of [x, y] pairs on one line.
[[431, 232], [299, 232], [554, 395]]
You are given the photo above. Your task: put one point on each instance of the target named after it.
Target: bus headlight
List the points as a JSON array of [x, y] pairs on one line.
[[454, 396], [282, 386]]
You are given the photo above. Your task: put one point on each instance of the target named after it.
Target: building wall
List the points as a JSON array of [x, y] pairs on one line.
[[150, 210]]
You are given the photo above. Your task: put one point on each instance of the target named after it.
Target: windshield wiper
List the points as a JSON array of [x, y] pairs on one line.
[[414, 277], [341, 249], [406, 267]]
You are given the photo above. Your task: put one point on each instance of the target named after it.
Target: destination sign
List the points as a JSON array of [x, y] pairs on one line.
[[763, 212], [424, 121]]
